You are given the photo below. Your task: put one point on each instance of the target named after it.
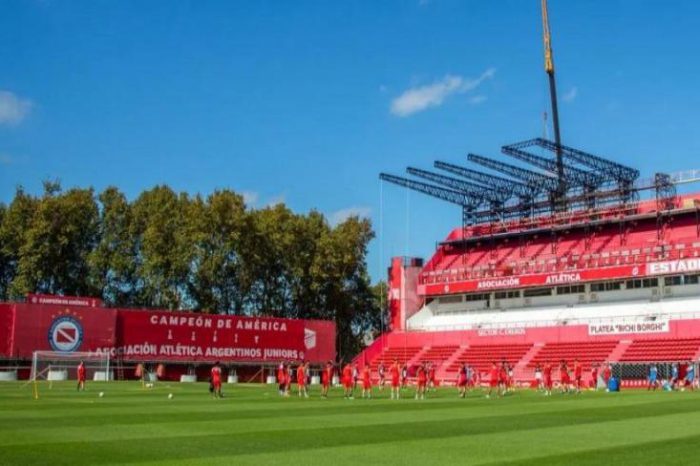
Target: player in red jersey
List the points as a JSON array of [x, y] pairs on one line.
[[432, 382], [547, 373], [301, 380], [216, 380], [422, 379], [607, 373], [594, 377], [494, 380], [326, 378], [366, 382], [462, 380], [281, 378], [347, 380], [81, 376], [395, 372], [564, 377], [503, 378], [577, 375]]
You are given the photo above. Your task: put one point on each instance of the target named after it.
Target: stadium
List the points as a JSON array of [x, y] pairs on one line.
[[559, 323]]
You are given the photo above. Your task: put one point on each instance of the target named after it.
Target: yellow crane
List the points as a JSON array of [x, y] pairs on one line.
[[549, 68]]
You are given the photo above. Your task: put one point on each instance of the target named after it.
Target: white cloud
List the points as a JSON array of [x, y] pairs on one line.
[[570, 96], [5, 159], [477, 99], [250, 198], [339, 216], [274, 200], [421, 98], [13, 109]]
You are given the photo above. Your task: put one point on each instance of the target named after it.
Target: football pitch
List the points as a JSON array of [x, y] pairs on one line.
[[253, 425]]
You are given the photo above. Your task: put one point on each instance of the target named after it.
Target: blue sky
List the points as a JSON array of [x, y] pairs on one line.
[[308, 101]]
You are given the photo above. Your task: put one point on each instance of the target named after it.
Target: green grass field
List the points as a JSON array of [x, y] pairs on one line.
[[253, 425]]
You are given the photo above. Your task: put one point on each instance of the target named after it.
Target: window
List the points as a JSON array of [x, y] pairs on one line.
[[645, 283], [537, 292], [691, 279], [673, 281], [573, 289], [450, 299], [507, 294], [477, 297], [605, 286]]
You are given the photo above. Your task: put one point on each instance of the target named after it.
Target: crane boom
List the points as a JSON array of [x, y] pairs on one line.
[[549, 68]]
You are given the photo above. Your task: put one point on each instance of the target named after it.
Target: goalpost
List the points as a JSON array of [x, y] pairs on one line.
[[55, 366]]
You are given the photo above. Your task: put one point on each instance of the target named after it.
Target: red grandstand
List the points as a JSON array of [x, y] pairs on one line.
[[556, 259]]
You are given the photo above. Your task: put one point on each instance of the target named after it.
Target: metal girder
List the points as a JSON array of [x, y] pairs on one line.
[[470, 189], [449, 195], [501, 184], [573, 176], [536, 181], [617, 171]]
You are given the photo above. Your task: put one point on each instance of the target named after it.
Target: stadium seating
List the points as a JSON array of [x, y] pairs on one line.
[[662, 350], [438, 355], [587, 352], [401, 353], [480, 357]]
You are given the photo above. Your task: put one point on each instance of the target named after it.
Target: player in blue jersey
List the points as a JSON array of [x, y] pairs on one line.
[[674, 375], [690, 376], [653, 377]]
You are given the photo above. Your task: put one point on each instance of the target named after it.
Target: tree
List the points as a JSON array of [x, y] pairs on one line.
[[112, 262], [215, 276], [15, 223], [164, 248], [55, 247]]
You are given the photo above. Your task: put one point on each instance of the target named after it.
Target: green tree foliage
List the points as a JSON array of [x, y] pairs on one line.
[[171, 250]]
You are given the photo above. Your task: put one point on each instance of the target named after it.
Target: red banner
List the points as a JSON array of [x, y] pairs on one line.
[[161, 336], [544, 279]]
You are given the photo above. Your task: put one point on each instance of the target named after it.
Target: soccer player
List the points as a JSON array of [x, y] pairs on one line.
[[577, 375], [538, 377], [216, 380], [366, 382], [287, 378], [301, 380], [547, 372], [355, 376], [432, 383], [81, 376], [281, 378], [503, 378], [510, 381], [462, 380], [564, 377], [607, 374], [395, 373], [594, 377], [494, 379], [380, 371], [674, 375], [422, 381], [404, 375], [690, 376], [326, 378], [347, 381], [652, 378]]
